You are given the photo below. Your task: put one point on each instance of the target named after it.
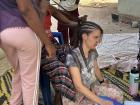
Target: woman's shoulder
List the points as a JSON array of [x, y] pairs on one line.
[[76, 50], [70, 54], [71, 58]]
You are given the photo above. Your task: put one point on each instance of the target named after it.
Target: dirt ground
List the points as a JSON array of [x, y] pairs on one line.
[[102, 16], [97, 12]]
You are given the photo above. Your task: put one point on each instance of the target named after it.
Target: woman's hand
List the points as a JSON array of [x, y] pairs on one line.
[[103, 102]]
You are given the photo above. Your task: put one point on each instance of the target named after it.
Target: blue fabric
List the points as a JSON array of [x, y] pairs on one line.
[[45, 88], [131, 103], [109, 99], [59, 36]]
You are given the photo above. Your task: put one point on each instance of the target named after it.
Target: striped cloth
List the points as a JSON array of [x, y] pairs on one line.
[[59, 76]]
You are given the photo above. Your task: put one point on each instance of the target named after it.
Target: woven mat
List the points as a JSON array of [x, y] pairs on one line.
[[121, 82], [5, 88], [4, 64]]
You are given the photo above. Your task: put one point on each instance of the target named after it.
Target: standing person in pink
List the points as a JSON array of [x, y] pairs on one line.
[[21, 34]]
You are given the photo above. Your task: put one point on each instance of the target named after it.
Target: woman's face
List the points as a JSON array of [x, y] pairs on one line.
[[93, 39]]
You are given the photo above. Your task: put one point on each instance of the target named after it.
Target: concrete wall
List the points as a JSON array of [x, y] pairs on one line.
[[129, 7]]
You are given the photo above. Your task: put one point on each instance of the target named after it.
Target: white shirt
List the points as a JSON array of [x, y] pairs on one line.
[[69, 5]]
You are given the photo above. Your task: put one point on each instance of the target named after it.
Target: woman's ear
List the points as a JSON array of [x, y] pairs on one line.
[[84, 36]]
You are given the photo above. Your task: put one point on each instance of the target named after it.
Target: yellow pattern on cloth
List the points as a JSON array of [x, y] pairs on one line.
[[5, 87]]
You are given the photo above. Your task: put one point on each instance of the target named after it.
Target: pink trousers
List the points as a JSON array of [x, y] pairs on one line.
[[23, 50]]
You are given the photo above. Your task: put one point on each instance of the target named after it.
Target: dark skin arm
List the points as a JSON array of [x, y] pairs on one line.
[[44, 6], [61, 17], [31, 17]]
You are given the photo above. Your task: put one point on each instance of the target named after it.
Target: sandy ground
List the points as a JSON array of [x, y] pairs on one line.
[[102, 16], [99, 12]]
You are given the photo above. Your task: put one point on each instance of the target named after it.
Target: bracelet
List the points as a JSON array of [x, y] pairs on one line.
[[101, 81]]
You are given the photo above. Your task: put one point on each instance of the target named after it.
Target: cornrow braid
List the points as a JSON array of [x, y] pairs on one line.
[[87, 27], [90, 26]]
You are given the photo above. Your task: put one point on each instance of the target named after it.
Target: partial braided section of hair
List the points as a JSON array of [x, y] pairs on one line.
[[87, 27]]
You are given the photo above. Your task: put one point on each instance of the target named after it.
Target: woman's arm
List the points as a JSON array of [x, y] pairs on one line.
[[75, 74], [34, 22], [98, 72]]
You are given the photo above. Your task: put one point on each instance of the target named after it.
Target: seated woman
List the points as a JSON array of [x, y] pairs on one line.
[[73, 81], [83, 66]]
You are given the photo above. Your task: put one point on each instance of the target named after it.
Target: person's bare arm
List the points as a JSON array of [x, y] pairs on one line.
[[61, 17], [98, 72], [44, 6], [66, 18], [34, 22], [80, 87]]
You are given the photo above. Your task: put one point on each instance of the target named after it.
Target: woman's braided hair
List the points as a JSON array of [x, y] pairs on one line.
[[87, 27]]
